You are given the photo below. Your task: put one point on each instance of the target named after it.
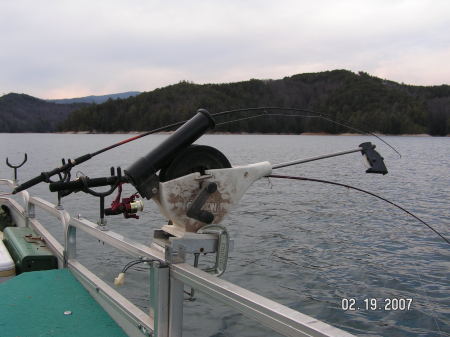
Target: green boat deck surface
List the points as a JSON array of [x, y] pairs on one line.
[[33, 305]]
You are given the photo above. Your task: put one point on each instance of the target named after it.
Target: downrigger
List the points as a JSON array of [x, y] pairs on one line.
[[194, 186]]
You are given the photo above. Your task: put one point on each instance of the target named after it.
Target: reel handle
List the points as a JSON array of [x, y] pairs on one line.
[[195, 211]]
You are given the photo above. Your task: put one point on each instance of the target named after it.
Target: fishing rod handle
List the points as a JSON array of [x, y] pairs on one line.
[[83, 182], [45, 176], [36, 180]]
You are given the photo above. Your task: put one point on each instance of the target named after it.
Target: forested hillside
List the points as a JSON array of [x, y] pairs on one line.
[[23, 113], [364, 101], [367, 102]]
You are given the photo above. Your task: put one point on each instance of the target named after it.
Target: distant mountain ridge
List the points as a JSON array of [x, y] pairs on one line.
[[94, 99], [24, 113]]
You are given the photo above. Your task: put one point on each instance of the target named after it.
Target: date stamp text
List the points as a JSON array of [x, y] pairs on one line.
[[376, 304]]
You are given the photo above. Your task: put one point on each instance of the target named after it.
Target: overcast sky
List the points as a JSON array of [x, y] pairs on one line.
[[61, 49]]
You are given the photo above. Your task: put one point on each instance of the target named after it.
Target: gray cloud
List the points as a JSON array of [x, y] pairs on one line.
[[70, 48]]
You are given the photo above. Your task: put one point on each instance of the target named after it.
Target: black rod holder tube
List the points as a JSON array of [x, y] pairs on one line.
[[142, 171]]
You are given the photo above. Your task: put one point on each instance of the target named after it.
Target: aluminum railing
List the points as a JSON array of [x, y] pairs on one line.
[[167, 281]]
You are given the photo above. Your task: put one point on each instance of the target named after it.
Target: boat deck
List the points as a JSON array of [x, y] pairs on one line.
[[51, 303]]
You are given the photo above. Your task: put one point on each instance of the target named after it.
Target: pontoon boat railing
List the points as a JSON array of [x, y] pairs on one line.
[[167, 281]]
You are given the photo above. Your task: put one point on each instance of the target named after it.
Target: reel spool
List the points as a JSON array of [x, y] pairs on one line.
[[195, 158]]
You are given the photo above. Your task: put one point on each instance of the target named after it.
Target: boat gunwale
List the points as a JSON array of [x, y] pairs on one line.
[[271, 314]]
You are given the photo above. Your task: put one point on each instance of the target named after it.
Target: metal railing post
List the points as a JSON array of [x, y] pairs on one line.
[[176, 308], [30, 209], [70, 237], [70, 243], [159, 298]]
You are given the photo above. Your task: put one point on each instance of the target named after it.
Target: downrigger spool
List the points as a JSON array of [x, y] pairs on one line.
[[195, 189]]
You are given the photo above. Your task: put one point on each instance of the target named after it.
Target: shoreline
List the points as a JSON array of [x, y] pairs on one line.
[[230, 133], [245, 133]]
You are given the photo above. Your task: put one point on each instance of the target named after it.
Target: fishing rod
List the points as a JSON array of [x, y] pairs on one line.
[[363, 191], [171, 149], [321, 115]]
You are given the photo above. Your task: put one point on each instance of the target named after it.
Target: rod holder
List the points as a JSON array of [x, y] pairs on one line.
[[15, 167]]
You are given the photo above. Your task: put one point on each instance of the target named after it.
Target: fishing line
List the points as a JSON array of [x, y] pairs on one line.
[[392, 203], [264, 115], [427, 299], [364, 191], [239, 120]]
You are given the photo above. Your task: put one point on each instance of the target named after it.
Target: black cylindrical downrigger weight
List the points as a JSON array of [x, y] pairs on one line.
[[142, 171]]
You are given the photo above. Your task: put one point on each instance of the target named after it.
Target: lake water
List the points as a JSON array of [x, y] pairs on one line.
[[303, 244]]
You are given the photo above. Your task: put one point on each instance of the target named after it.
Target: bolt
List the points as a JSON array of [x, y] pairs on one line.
[[154, 190]]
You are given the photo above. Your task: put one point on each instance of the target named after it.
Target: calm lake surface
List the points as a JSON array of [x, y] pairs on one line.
[[303, 244]]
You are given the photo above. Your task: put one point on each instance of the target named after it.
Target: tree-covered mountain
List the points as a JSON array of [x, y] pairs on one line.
[[364, 101], [94, 99], [23, 113]]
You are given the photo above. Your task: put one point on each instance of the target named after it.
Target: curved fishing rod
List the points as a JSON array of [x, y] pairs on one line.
[[322, 115], [364, 191], [45, 176]]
